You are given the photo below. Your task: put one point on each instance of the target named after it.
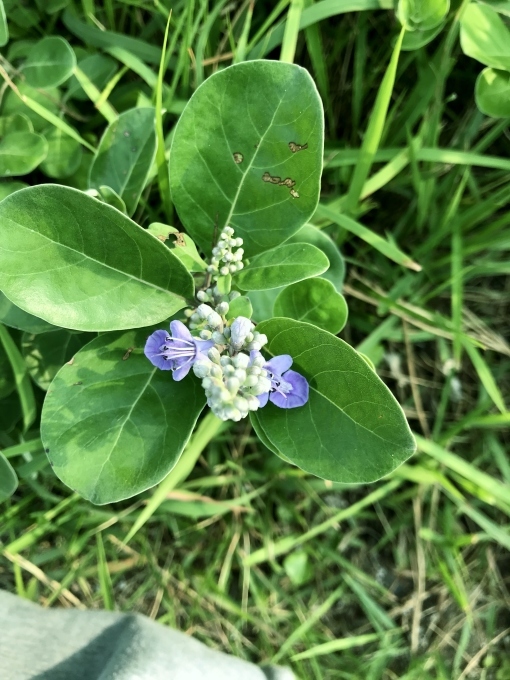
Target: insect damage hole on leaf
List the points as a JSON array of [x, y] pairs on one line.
[[238, 157], [297, 147]]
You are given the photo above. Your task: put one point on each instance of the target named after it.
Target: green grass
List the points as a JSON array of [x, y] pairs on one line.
[[404, 579]]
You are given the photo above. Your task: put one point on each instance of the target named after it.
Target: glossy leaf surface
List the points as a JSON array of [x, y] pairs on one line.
[[250, 161], [281, 266], [78, 263], [351, 429], [50, 63], [315, 301], [125, 155], [114, 426]]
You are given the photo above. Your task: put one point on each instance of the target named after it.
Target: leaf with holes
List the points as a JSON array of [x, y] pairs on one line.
[[78, 263], [112, 424], [247, 152], [351, 429]]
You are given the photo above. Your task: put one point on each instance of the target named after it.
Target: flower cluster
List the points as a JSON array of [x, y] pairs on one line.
[[226, 354], [224, 261]]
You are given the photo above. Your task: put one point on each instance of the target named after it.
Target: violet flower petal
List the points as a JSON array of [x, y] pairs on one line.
[[278, 365], [153, 352], [298, 396]]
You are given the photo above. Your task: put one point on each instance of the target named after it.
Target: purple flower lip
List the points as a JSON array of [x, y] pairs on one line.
[[289, 389], [176, 352]]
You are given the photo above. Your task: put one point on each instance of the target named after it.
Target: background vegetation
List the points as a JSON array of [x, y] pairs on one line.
[[406, 578]]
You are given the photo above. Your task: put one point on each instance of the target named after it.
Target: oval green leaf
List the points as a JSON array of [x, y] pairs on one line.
[[125, 155], [64, 154], [8, 479], [484, 36], [315, 301], [16, 122], [422, 15], [112, 424], [492, 93], [50, 63], [80, 264], [246, 159], [316, 237], [46, 353], [21, 152], [282, 266], [352, 429]]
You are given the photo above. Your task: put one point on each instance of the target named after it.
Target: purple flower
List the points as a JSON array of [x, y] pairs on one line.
[[288, 388], [176, 352]]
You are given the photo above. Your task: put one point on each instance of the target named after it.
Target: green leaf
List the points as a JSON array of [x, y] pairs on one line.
[[50, 63], [8, 479], [500, 6], [111, 197], [484, 36], [21, 152], [14, 317], [16, 122], [492, 93], [240, 306], [125, 155], [4, 29], [422, 15], [316, 237], [46, 353], [352, 429], [64, 154], [49, 99], [78, 263], [263, 300], [236, 154], [414, 40], [315, 301], [8, 188], [281, 266], [112, 427], [98, 68]]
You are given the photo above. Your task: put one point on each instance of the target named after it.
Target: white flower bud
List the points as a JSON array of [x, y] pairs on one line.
[[224, 271], [239, 330], [214, 355], [222, 308], [202, 368], [214, 320], [219, 338], [202, 296], [205, 334], [251, 380]]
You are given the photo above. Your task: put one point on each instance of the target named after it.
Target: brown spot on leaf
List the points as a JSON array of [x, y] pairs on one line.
[[294, 193], [238, 157], [127, 354], [297, 147]]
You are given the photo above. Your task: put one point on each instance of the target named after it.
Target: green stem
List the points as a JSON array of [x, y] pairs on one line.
[[207, 430]]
